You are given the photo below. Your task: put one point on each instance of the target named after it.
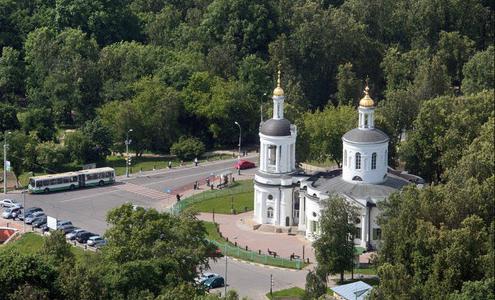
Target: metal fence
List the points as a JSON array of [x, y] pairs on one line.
[[240, 253], [203, 195]]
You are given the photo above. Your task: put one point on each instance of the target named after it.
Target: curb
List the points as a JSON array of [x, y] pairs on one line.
[[262, 265]]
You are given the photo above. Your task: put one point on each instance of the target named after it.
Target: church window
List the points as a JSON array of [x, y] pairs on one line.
[[358, 220], [345, 158], [358, 233], [377, 234], [385, 159], [357, 178], [272, 149], [358, 161], [269, 213], [270, 197], [366, 121], [373, 161]]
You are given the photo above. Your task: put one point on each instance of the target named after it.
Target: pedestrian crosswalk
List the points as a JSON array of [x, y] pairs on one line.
[[144, 191]]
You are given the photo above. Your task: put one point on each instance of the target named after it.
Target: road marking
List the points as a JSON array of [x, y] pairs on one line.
[[144, 191]]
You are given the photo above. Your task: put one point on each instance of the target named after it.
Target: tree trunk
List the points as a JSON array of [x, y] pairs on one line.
[[342, 277]]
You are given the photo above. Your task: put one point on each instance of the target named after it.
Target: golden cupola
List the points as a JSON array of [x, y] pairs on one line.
[[366, 101], [278, 91]]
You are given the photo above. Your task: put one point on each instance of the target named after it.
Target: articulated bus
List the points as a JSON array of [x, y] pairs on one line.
[[71, 180]]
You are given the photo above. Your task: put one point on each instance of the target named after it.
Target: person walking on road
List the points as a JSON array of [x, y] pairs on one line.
[[196, 161], [170, 164]]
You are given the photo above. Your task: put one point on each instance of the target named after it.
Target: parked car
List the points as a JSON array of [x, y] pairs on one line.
[[94, 240], [44, 228], [29, 219], [82, 237], [62, 223], [205, 276], [66, 228], [10, 203], [39, 222], [27, 212], [244, 164], [11, 212], [72, 235], [100, 244], [214, 282]]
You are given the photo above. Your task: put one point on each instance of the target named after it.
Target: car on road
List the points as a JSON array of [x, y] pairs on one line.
[[30, 219], [72, 235], [39, 222], [244, 164], [205, 276], [10, 203], [94, 240], [27, 212], [83, 237], [62, 223], [213, 282], [11, 212]]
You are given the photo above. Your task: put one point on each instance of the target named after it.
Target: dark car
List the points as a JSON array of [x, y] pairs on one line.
[[244, 164], [214, 282], [83, 237], [67, 228], [39, 222], [27, 212]]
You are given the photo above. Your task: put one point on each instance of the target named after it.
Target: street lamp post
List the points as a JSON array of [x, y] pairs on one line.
[[239, 158], [5, 145], [127, 142]]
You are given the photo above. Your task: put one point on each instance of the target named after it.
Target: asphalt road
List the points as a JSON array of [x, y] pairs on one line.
[[87, 208]]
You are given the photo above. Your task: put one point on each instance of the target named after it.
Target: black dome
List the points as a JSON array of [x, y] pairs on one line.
[[276, 127], [367, 136]]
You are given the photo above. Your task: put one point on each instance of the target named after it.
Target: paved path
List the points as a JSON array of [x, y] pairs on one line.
[[236, 229]]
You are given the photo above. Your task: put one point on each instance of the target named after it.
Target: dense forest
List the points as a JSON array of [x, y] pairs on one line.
[[185, 71]]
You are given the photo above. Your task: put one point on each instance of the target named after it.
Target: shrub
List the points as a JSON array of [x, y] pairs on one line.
[[188, 148]]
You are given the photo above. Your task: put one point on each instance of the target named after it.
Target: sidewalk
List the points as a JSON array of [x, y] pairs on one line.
[[236, 229]]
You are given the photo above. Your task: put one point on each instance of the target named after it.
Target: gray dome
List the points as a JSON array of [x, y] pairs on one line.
[[276, 127], [365, 136]]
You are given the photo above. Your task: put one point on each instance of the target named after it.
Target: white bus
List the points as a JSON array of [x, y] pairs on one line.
[[71, 180]]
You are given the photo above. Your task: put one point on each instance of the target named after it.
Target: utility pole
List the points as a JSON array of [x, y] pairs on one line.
[[225, 283], [127, 160], [24, 207], [271, 286], [239, 158], [5, 162]]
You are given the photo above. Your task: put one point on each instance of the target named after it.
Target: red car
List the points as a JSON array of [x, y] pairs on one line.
[[244, 164]]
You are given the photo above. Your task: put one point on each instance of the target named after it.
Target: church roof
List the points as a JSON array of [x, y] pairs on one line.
[[332, 182], [365, 136], [276, 127]]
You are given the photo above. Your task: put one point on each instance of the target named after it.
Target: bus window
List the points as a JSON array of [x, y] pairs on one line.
[[39, 183], [74, 179], [46, 182], [31, 182]]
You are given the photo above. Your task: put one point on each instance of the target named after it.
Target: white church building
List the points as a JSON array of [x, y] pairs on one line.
[[285, 197]]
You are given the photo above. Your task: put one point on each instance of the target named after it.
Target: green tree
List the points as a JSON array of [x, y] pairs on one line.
[[315, 285], [454, 50], [40, 121], [432, 79], [8, 118], [79, 148], [20, 152], [51, 156], [188, 148], [348, 86], [479, 72], [56, 247], [321, 133], [62, 73], [11, 75], [124, 63], [334, 247]]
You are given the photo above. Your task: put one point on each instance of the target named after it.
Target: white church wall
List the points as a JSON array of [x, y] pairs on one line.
[[367, 174]]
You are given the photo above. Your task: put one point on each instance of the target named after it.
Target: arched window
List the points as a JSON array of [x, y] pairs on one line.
[[373, 161], [269, 213], [358, 161], [385, 159], [357, 178], [366, 121], [345, 158]]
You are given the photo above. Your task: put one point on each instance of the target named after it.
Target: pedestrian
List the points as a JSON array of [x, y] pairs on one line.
[[181, 163], [178, 197], [170, 164], [207, 181], [196, 161]]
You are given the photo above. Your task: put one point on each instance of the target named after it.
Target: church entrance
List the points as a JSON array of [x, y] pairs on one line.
[[287, 221], [295, 208]]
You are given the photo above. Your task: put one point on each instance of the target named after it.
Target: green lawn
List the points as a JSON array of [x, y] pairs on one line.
[[364, 271], [30, 243], [239, 196], [293, 293], [240, 202]]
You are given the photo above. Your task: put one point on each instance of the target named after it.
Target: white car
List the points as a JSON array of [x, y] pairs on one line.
[[92, 241], [33, 217], [10, 203], [203, 277]]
